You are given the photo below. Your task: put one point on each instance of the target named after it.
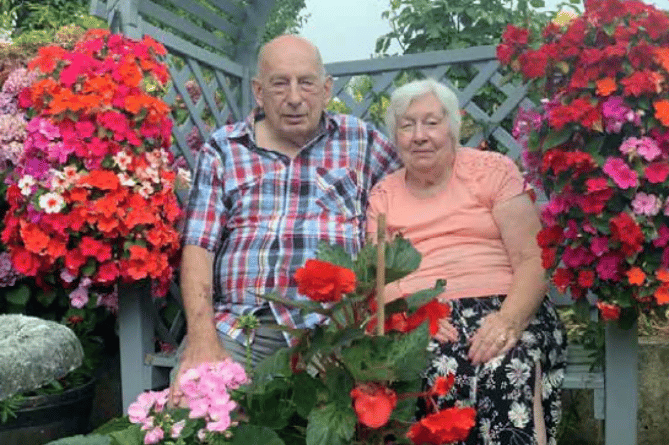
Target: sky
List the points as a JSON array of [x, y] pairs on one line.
[[347, 29]]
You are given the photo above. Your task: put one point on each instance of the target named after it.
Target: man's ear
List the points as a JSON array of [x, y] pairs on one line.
[[257, 91], [327, 89]]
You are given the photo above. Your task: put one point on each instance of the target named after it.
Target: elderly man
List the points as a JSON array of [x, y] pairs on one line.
[[265, 192]]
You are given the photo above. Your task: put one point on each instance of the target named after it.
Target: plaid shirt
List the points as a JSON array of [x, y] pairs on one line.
[[264, 214]]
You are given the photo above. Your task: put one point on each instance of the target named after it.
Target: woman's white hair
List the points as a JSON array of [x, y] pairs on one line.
[[404, 95]]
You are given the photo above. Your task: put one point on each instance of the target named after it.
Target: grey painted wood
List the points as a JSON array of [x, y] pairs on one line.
[[621, 378], [136, 336], [184, 26]]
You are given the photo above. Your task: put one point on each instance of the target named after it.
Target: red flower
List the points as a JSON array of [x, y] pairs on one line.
[[657, 172], [446, 426], [442, 385], [608, 311], [586, 278], [373, 404], [433, 312], [627, 231], [323, 281], [515, 36], [550, 236], [25, 262]]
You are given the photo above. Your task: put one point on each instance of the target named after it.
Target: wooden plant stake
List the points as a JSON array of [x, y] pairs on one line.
[[380, 274]]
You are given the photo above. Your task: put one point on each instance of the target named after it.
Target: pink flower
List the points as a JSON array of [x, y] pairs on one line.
[[644, 147], [621, 173], [79, 297], [199, 407], [154, 435], [599, 245], [645, 204], [576, 257], [175, 432], [138, 411], [607, 267]]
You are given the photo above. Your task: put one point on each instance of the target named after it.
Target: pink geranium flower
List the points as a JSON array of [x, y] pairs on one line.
[[621, 173]]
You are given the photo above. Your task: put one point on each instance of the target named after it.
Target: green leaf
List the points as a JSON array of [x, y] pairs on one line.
[[401, 259], [277, 364], [117, 424], [18, 296], [91, 439], [418, 299], [305, 305], [305, 394], [46, 297], [255, 435], [339, 383], [369, 360], [129, 436], [556, 138], [408, 353], [334, 254], [331, 425]]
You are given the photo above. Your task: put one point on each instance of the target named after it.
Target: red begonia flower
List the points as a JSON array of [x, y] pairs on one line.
[[446, 426], [323, 281], [373, 405]]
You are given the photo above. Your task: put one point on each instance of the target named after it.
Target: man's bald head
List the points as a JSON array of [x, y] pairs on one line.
[[288, 42]]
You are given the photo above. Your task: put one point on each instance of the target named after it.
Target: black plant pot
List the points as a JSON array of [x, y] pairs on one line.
[[45, 418]]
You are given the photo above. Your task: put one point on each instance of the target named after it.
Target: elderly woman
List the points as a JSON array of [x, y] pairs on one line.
[[469, 214]]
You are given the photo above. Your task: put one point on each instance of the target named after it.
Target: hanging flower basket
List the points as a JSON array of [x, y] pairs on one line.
[[599, 147], [92, 200]]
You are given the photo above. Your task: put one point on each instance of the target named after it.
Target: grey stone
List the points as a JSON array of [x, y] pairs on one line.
[[33, 352]]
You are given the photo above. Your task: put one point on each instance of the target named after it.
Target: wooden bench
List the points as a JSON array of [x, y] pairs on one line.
[[614, 387]]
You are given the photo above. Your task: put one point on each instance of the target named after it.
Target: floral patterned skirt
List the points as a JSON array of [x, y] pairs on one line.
[[502, 389]]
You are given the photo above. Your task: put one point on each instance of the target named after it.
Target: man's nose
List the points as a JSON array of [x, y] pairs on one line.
[[294, 95]]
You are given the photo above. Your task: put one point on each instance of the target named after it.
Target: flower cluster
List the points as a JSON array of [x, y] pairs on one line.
[[600, 147], [207, 411], [92, 197]]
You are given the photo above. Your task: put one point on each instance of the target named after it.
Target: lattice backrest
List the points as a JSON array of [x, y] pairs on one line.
[[472, 73]]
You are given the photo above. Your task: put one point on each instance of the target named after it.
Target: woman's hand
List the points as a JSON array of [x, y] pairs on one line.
[[496, 336], [447, 332]]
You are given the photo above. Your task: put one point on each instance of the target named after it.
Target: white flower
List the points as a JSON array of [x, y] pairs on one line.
[[517, 372], [145, 190], [123, 160], [25, 184], [126, 180], [519, 415], [70, 174], [51, 202]]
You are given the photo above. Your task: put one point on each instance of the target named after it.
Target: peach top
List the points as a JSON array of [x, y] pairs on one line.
[[455, 230]]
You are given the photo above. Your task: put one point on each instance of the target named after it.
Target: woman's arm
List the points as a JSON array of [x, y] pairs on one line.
[[519, 224]]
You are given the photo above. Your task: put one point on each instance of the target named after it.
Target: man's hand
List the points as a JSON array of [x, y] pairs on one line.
[[194, 354]]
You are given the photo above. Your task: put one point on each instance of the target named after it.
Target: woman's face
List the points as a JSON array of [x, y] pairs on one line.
[[424, 139]]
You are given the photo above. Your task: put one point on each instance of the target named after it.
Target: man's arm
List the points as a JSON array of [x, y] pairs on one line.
[[202, 342]]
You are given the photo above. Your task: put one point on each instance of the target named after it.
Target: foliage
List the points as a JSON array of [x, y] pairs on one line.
[[286, 17], [431, 25], [28, 21], [600, 148]]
